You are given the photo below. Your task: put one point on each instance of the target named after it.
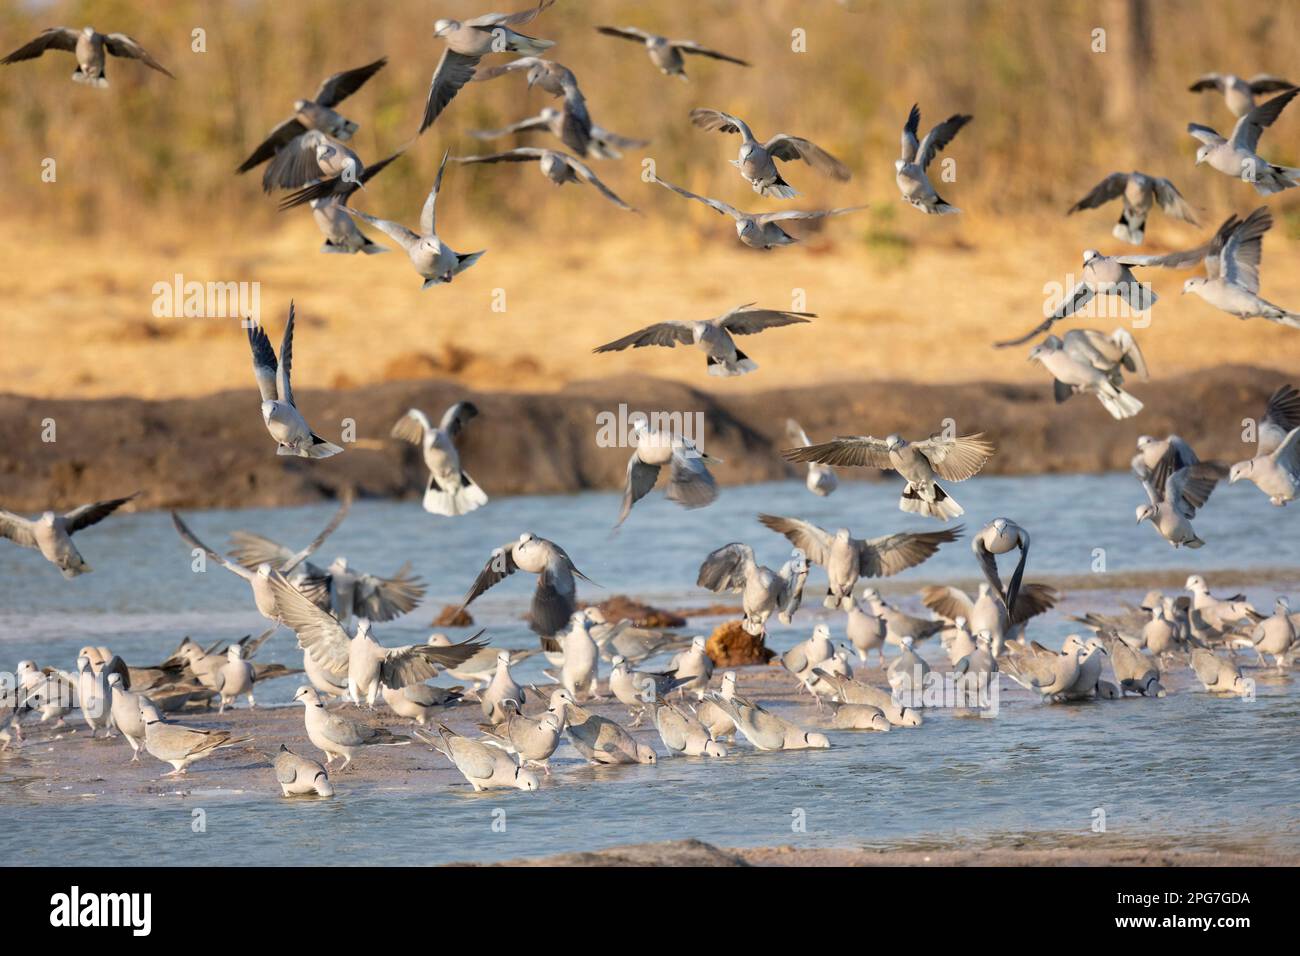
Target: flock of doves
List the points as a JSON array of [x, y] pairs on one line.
[[982, 635]]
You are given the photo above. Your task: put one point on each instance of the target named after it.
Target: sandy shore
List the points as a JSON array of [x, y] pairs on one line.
[[214, 451]]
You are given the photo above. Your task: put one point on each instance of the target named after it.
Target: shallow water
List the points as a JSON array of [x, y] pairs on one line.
[[1189, 771]]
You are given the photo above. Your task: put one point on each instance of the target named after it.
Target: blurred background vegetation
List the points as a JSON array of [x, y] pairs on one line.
[[1052, 116], [146, 188]]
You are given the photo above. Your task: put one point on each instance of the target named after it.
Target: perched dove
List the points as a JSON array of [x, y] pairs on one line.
[[178, 745], [501, 691], [600, 740], [682, 732], [339, 736], [764, 729], [127, 716], [531, 740], [418, 702], [1217, 675], [692, 668], [301, 776], [484, 766]]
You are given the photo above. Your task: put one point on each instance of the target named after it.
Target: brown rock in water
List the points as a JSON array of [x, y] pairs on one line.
[[731, 646], [452, 616], [620, 607]]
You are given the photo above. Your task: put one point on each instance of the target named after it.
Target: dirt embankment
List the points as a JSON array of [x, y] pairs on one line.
[[214, 451]]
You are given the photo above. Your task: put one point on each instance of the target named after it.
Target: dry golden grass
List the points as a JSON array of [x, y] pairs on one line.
[[145, 190]]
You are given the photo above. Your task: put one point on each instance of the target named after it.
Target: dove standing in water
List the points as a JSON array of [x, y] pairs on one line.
[[920, 464], [339, 736], [849, 691], [435, 261], [1134, 671], [484, 766], [90, 48], [763, 591], [418, 702], [910, 168], [600, 740], [690, 482], [765, 730], [1276, 635], [756, 160], [865, 631], [578, 670], [848, 559], [1239, 94], [907, 673], [637, 689], [1236, 157], [1047, 674], [1140, 193], [759, 230], [682, 732], [804, 656], [468, 42], [51, 533], [178, 745], [712, 716], [665, 53], [292, 434], [502, 689], [1219, 676], [234, 678], [127, 716], [531, 740], [713, 336], [95, 698], [300, 776], [450, 490], [693, 667], [555, 598], [821, 479]]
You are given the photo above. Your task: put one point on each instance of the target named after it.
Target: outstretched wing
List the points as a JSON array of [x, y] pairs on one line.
[[956, 459], [382, 599], [499, 567], [666, 334], [747, 321], [319, 632], [690, 46], [1245, 135], [815, 542], [55, 38], [938, 138], [716, 204], [725, 569], [861, 450], [1239, 261], [1172, 201], [340, 86], [1109, 188], [888, 555], [454, 70], [87, 515], [119, 44], [789, 148]]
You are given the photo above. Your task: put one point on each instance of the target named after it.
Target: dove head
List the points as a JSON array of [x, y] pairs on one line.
[[1072, 643], [307, 696], [548, 113], [1090, 255], [264, 570], [115, 680], [299, 105], [817, 741], [268, 410], [438, 640], [999, 525], [579, 621], [1143, 441], [984, 638], [340, 565], [893, 442], [645, 755], [235, 652], [1202, 152], [595, 615], [1196, 583], [907, 642], [729, 681], [526, 779], [1095, 644], [1145, 513], [26, 667], [149, 711], [47, 517], [88, 31], [1194, 283], [822, 632], [1241, 469], [898, 165], [715, 749], [1282, 604], [558, 700], [960, 623], [322, 784], [363, 627], [444, 26], [526, 537], [83, 663], [697, 643], [618, 661], [503, 659]]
